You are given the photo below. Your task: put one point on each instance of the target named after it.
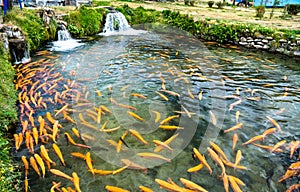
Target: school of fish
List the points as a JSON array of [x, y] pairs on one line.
[[48, 100]]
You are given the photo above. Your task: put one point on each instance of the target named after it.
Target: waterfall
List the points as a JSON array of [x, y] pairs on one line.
[[63, 34], [115, 21], [64, 40]]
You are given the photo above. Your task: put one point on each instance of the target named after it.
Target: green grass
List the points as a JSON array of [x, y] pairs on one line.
[[8, 117]]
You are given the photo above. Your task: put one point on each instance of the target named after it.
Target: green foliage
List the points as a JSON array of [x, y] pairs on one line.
[[210, 3], [293, 9], [139, 15], [102, 3], [260, 11], [31, 24], [85, 21], [220, 4], [8, 117]]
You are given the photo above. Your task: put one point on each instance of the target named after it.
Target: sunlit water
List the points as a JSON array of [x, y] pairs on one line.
[[119, 65]]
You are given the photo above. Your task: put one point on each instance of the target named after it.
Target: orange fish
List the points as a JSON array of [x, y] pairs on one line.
[[135, 116], [216, 158], [274, 123], [202, 159], [88, 161], [145, 189], [195, 168], [138, 136], [166, 120], [234, 140], [40, 161], [26, 165], [58, 153], [253, 139], [76, 181], [115, 189], [60, 174], [34, 165], [153, 156], [191, 185], [237, 126]]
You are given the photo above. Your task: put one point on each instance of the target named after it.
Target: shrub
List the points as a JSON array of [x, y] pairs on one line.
[[85, 21], [293, 9], [210, 3], [219, 4], [260, 11]]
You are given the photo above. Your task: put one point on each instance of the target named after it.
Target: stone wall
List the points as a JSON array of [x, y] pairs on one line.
[[14, 40], [289, 47]]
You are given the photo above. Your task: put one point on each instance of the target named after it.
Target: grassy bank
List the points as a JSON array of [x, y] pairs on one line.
[[8, 116]]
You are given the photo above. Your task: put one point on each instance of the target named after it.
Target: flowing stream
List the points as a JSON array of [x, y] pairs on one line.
[[143, 74]]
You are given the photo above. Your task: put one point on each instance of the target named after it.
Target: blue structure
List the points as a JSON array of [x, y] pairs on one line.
[[269, 3]]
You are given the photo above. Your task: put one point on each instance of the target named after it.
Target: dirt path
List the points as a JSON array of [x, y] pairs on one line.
[[240, 14]]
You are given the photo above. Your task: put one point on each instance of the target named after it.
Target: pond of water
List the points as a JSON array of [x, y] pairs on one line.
[[120, 83]]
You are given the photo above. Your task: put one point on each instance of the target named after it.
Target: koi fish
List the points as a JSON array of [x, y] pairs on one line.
[[88, 161], [237, 180], [202, 159], [76, 181], [62, 109], [145, 189], [229, 164], [115, 189], [191, 185], [195, 168], [268, 132], [26, 184], [102, 172], [218, 150], [293, 147], [200, 95], [225, 182], [103, 126], [61, 174], [34, 165], [26, 165], [269, 148], [234, 185], [157, 118], [213, 118], [135, 116], [55, 186], [171, 93], [102, 107], [58, 153], [293, 187], [153, 156], [279, 144], [234, 140], [40, 161], [238, 158], [121, 141], [274, 123], [168, 186], [162, 96], [138, 136], [138, 95], [166, 120], [167, 142], [253, 139], [162, 144], [170, 127], [237, 115], [237, 126], [133, 165], [120, 170], [44, 154], [55, 131], [216, 158]]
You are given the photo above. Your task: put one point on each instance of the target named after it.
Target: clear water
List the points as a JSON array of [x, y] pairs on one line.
[[142, 63]]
